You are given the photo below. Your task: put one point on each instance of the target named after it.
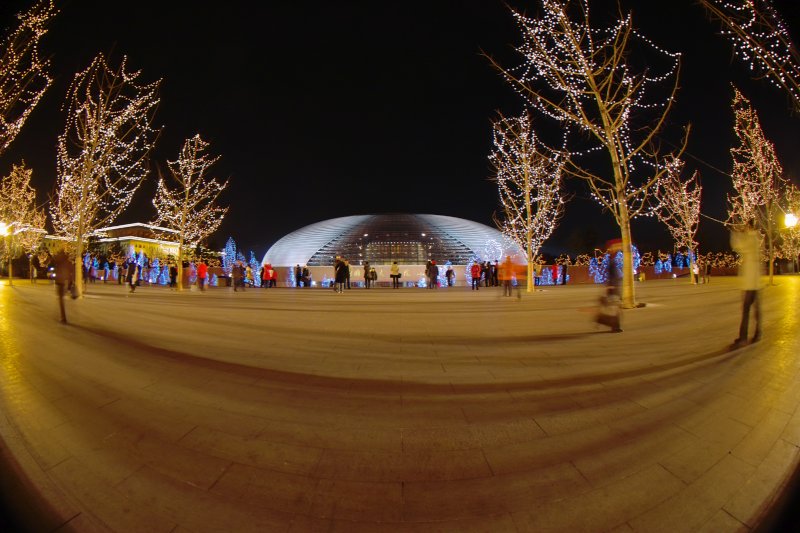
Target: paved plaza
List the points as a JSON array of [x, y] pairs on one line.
[[396, 410]]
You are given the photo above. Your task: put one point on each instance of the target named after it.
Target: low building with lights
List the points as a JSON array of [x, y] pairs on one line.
[[127, 239]]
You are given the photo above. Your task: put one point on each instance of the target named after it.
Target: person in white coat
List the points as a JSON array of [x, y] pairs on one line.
[[747, 243]]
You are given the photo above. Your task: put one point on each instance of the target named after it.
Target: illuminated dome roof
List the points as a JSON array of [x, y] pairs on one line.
[[381, 239]]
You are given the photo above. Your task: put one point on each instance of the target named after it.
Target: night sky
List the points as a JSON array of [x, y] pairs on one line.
[[324, 109]]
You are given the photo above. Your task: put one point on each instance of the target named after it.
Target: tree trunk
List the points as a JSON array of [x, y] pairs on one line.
[[529, 274], [10, 268], [692, 277], [180, 265], [628, 291], [770, 251], [78, 281]]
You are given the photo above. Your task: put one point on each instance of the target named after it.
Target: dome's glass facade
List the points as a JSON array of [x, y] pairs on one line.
[[382, 239]]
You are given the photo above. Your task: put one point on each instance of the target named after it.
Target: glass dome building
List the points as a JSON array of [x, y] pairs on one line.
[[382, 239]]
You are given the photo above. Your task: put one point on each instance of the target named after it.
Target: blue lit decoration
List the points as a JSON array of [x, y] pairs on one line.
[[254, 267], [547, 276], [668, 263], [422, 283], [192, 273], [637, 258], [492, 251], [658, 268], [229, 256], [163, 277], [152, 274], [214, 281], [293, 278], [679, 260], [598, 269]]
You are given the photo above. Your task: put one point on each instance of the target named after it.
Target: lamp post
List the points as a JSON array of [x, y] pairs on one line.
[[790, 220], [4, 231]]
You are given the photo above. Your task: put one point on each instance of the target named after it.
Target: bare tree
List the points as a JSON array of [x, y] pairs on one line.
[[583, 77], [102, 154], [760, 40], [23, 74], [757, 177], [529, 179], [190, 208], [24, 221], [677, 205]]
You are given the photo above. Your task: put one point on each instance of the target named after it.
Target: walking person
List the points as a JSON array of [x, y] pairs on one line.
[[132, 276], [298, 275], [747, 243], [505, 275], [395, 275], [367, 275], [340, 275], [202, 274], [450, 275], [173, 276], [238, 276], [64, 273], [495, 274], [610, 312], [346, 273], [475, 272], [433, 276]]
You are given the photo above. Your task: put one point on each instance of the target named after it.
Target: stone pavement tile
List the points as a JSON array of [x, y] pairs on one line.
[[622, 528], [260, 488], [84, 523], [604, 508], [106, 505], [100, 450], [791, 433], [411, 466], [466, 436], [694, 459], [629, 455], [762, 438], [334, 436], [722, 521], [157, 420], [357, 501], [715, 429], [548, 451], [760, 490], [48, 452], [567, 422], [511, 410], [254, 452], [196, 509], [488, 524], [697, 503], [473, 498]]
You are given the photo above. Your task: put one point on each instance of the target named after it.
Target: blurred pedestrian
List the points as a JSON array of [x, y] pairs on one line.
[[298, 275], [433, 276], [367, 274], [202, 274], [506, 273], [475, 273], [610, 312], [450, 275], [132, 276], [65, 272], [173, 276], [747, 243], [395, 275]]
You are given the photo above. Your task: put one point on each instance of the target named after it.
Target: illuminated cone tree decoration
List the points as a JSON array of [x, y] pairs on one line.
[[529, 178], [190, 206], [583, 78], [102, 156], [25, 222], [23, 74], [757, 177], [677, 205]]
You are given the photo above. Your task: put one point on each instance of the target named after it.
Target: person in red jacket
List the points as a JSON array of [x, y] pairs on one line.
[[475, 272], [202, 274]]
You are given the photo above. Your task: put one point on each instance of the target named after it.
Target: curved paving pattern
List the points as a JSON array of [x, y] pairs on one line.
[[412, 410]]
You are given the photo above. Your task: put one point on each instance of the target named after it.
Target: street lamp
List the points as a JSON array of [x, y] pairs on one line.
[[790, 220]]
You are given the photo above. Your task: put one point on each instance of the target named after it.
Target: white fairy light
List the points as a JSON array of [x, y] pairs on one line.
[[102, 155], [189, 208]]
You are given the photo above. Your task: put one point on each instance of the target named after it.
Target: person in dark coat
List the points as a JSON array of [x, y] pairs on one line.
[[433, 276], [298, 275], [367, 275], [340, 274], [65, 271], [132, 276]]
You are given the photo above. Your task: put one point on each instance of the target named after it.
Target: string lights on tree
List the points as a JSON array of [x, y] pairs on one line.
[[761, 40], [24, 221], [790, 236], [584, 78], [190, 206], [757, 177], [529, 180], [677, 206], [23, 74], [102, 155]]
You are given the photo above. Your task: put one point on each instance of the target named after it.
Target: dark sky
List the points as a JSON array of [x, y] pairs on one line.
[[323, 109]]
